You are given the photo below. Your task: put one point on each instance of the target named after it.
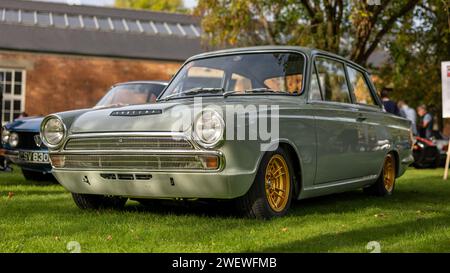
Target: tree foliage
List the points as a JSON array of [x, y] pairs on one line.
[[419, 47], [348, 27], [155, 5]]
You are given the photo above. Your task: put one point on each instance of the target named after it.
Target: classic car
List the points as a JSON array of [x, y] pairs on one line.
[[328, 133], [23, 145]]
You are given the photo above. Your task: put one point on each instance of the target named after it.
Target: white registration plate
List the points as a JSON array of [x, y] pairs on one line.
[[34, 157]]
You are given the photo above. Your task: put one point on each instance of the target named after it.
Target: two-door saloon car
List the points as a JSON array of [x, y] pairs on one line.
[[331, 134], [24, 147]]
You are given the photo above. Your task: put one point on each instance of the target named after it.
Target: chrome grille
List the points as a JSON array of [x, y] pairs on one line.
[[135, 162], [128, 143]]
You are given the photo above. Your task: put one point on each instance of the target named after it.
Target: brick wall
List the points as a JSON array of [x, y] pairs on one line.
[[57, 83]]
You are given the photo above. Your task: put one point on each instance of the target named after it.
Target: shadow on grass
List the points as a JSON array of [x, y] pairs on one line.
[[334, 240], [223, 209]]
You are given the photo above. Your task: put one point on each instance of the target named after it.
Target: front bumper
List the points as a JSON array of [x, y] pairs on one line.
[[161, 184], [166, 165]]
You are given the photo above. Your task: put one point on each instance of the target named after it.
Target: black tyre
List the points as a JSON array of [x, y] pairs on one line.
[[385, 184], [271, 193], [95, 202], [38, 176]]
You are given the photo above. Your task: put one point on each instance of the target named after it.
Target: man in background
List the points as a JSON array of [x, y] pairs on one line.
[[408, 113], [425, 124], [389, 105]]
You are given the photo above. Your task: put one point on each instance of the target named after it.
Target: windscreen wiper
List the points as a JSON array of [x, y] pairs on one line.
[[255, 91], [194, 91]]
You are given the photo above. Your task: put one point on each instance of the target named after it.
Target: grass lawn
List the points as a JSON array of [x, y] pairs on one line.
[[43, 218]]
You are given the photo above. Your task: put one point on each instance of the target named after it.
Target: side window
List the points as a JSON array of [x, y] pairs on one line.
[[332, 79], [314, 88], [360, 88]]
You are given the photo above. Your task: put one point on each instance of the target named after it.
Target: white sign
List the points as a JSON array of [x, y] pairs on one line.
[[445, 67]]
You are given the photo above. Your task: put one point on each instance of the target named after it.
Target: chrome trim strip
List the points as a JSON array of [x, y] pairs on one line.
[[135, 152], [341, 183]]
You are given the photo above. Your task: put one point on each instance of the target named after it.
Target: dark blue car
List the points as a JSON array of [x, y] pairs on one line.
[[22, 142], [23, 147]]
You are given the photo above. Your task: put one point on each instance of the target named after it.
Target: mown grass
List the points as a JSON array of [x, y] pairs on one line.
[[41, 217]]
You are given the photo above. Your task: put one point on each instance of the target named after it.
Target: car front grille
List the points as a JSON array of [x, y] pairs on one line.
[[132, 162], [26, 141], [128, 143]]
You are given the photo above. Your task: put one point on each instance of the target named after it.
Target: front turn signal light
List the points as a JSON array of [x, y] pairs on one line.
[[58, 161], [210, 162]]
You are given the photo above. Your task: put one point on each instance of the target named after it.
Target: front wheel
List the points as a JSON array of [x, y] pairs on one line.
[[94, 202], [271, 192], [385, 183]]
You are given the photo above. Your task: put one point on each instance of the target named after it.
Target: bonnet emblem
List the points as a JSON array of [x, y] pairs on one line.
[[38, 140], [135, 113]]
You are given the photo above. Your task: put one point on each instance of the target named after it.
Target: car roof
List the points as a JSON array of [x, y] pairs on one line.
[[142, 82], [309, 52]]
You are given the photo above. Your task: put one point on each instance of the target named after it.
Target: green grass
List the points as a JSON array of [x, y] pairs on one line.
[[43, 218]]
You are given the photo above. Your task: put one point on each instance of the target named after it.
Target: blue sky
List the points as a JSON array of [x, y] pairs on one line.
[[187, 3]]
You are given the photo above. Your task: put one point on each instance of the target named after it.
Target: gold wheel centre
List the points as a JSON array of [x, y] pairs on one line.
[[277, 183], [389, 173]]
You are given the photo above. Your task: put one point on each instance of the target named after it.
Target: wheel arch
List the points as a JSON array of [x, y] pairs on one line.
[[294, 157], [397, 161]]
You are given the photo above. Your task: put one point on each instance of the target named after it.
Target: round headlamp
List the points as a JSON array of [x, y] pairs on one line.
[[13, 140], [209, 129], [53, 131], [5, 136]]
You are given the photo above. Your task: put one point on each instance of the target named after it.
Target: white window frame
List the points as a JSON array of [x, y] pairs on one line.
[[12, 97]]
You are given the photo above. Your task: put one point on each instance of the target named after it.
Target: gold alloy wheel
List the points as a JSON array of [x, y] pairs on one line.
[[277, 183], [389, 173]]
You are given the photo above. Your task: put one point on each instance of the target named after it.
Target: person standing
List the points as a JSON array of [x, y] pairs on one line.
[[425, 124], [408, 113], [389, 105]]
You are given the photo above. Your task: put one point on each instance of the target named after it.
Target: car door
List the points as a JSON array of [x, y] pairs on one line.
[[336, 118], [373, 136]]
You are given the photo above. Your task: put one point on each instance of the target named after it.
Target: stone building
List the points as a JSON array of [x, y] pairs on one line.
[[57, 57]]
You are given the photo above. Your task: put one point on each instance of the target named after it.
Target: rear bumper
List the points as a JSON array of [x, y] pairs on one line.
[[160, 185]]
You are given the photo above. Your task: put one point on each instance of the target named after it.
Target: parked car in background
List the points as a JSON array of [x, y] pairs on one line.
[[333, 136], [23, 145], [426, 154]]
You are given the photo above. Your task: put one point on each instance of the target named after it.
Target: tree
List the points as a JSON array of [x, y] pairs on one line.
[[351, 28], [419, 47], [155, 5]]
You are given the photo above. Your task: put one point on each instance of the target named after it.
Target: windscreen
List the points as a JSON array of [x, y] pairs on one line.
[[276, 72]]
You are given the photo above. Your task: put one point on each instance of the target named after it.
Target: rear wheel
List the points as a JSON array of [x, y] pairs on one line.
[[271, 192], [385, 183], [94, 202]]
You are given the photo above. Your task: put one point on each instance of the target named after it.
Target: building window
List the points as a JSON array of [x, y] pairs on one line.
[[12, 85]]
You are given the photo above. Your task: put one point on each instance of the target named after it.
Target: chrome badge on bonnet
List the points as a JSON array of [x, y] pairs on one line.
[[38, 140], [135, 113]]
